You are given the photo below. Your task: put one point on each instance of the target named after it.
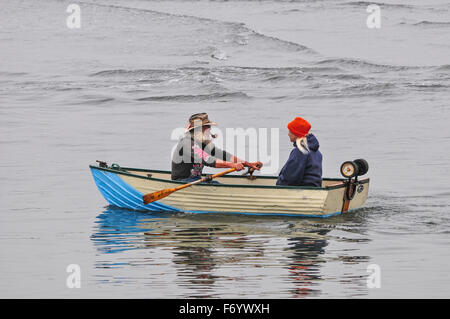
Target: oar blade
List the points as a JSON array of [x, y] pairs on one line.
[[152, 197]]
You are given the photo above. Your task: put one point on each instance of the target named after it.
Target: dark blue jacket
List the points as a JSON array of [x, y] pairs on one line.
[[303, 169]]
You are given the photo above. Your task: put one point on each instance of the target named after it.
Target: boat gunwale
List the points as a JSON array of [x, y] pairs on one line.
[[326, 188]]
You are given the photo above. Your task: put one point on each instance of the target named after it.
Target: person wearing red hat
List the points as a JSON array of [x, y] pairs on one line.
[[304, 166]]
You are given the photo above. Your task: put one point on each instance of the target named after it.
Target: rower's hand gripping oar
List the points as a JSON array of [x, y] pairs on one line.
[[151, 197], [251, 170]]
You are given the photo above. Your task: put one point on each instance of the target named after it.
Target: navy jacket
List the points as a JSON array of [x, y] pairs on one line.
[[303, 169]]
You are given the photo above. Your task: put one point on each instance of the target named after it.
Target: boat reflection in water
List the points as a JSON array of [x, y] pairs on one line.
[[212, 256]]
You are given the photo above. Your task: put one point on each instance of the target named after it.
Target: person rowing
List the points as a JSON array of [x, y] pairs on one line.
[[304, 166], [195, 150]]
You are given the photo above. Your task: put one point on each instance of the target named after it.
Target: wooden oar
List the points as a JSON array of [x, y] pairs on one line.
[[149, 198]]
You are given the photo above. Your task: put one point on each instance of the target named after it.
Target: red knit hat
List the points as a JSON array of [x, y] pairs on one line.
[[299, 127]]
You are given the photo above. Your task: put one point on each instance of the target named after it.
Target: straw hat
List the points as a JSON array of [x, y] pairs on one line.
[[198, 120]]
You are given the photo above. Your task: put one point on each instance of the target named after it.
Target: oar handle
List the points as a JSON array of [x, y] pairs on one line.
[[204, 179], [231, 170], [166, 192]]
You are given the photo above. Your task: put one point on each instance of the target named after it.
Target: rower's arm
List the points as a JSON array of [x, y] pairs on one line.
[[224, 164], [227, 160], [234, 159], [255, 165]]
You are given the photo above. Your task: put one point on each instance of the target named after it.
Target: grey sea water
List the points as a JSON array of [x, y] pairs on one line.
[[116, 88]]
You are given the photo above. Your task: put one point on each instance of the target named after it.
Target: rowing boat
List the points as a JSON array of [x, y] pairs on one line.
[[124, 187]]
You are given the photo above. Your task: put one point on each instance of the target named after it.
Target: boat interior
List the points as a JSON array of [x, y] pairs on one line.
[[233, 179]]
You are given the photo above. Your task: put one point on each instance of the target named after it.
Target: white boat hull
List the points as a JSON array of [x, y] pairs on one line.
[[125, 187]]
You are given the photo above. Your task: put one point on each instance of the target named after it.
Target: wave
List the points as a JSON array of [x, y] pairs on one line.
[[346, 76], [238, 28], [4, 73], [288, 69], [131, 72], [214, 77], [432, 23], [221, 97], [445, 67], [65, 89], [429, 86], [224, 70], [381, 4], [348, 62], [370, 88], [91, 99], [219, 55]]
